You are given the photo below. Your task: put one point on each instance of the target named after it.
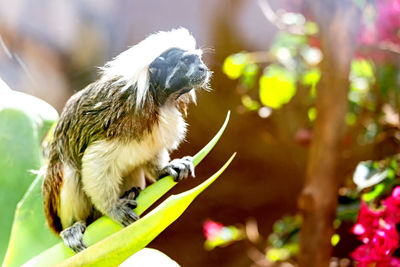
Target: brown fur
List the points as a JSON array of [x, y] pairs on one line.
[[51, 191]]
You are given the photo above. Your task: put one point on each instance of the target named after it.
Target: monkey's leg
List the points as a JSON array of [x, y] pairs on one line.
[[101, 179], [133, 183], [75, 208], [179, 169], [73, 236]]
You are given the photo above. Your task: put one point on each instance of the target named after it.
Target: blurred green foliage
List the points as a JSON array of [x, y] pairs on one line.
[[276, 77], [289, 61], [24, 120], [284, 240]]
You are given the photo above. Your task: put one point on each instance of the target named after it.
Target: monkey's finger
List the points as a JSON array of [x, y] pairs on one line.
[[183, 173], [130, 218], [188, 160], [170, 170], [131, 203], [181, 165], [191, 168], [80, 247]]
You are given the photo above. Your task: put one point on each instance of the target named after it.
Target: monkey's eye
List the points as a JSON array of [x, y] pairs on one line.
[[188, 59]]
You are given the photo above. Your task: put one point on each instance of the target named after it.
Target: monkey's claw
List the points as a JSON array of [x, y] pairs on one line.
[[73, 236], [122, 211], [180, 169], [132, 193]]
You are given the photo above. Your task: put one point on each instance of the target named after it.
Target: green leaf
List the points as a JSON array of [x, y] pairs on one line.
[[234, 65], [24, 120], [225, 236], [351, 118], [376, 192], [249, 103], [311, 78], [312, 114], [289, 41], [362, 68], [311, 28], [277, 87], [249, 75], [335, 239], [29, 235], [119, 246], [104, 226], [278, 254], [348, 212]]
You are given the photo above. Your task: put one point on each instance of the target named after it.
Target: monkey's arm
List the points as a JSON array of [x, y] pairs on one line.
[[161, 166]]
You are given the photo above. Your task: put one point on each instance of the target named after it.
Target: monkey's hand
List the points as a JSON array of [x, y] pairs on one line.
[[73, 236], [122, 211], [180, 169]]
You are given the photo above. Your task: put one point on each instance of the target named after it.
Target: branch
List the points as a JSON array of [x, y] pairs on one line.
[[275, 19], [318, 200]]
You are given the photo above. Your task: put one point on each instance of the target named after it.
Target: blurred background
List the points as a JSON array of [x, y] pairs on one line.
[[266, 57]]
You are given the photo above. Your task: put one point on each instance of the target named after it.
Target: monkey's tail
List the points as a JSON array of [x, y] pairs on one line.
[[51, 190]]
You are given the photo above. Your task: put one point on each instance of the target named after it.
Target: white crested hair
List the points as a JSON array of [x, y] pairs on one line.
[[131, 66]]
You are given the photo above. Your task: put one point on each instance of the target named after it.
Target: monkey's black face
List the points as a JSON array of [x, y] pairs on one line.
[[176, 72]]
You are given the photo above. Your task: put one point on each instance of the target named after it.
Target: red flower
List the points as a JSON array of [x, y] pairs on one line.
[[212, 229], [383, 243], [392, 204], [377, 230], [367, 222]]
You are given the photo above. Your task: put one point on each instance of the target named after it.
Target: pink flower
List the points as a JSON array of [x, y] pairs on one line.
[[377, 230], [383, 243], [367, 222], [381, 29], [395, 262], [392, 204], [212, 229], [396, 194], [388, 20]]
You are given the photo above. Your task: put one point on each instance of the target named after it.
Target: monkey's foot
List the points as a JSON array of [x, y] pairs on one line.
[[122, 211], [180, 169], [73, 236], [132, 193]]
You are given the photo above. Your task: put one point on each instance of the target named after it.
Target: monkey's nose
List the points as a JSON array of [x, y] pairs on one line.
[[202, 68]]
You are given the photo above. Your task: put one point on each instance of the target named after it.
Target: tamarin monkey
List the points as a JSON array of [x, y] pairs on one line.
[[119, 129]]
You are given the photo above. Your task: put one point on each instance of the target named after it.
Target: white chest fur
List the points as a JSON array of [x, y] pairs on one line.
[[165, 135]]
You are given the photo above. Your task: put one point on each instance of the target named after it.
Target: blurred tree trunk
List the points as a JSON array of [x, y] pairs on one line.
[[338, 21]]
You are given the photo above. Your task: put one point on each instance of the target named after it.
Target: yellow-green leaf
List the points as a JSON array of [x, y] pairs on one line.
[[24, 120], [234, 65], [119, 246], [277, 87]]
